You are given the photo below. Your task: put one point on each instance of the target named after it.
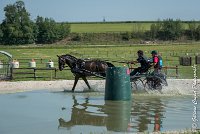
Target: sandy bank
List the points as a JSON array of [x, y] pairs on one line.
[[175, 86]]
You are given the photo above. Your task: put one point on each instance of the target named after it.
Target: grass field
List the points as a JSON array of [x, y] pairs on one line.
[[170, 54], [111, 27]]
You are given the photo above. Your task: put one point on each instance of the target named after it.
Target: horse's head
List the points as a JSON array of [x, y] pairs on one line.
[[61, 62], [66, 59]]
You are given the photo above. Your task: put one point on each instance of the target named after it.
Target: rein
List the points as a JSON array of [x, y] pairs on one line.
[[93, 73]]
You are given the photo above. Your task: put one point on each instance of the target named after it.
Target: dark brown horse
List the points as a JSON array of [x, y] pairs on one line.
[[83, 68]]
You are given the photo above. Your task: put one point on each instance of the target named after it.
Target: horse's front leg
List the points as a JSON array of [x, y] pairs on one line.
[[84, 78], [75, 82]]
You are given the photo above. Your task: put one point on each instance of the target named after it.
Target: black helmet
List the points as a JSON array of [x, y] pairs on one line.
[[154, 52]]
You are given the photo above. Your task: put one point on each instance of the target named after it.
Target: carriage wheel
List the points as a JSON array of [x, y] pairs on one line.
[[137, 85], [133, 86], [148, 85], [158, 85], [140, 84], [151, 84]]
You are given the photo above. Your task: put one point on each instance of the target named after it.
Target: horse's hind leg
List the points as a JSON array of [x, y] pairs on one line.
[[75, 82], [84, 78]]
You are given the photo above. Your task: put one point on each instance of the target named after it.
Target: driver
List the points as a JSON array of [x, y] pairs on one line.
[[144, 64]]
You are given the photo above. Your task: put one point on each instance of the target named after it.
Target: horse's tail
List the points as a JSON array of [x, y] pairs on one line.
[[110, 64]]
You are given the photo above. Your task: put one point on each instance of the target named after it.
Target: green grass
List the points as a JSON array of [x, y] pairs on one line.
[[109, 27], [170, 54], [112, 27]]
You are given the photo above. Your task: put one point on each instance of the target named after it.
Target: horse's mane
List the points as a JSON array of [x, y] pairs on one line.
[[70, 56], [74, 58], [90, 60]]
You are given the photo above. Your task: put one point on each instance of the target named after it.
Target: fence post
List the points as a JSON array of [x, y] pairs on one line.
[[51, 75], [166, 72], [34, 73], [11, 71], [41, 60], [55, 73], [176, 71]]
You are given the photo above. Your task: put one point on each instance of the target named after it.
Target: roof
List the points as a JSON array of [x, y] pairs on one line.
[[7, 54]]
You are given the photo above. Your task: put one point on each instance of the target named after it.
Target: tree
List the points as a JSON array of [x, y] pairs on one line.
[[171, 30], [1, 35], [63, 30], [126, 36], [46, 30], [49, 31], [154, 30], [197, 33], [192, 26], [178, 29], [17, 27], [138, 31], [166, 30]]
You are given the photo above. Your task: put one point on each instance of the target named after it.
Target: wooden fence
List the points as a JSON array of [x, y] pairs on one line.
[[32, 73], [166, 68], [53, 72]]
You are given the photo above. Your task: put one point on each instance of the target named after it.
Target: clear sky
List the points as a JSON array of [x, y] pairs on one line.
[[112, 10]]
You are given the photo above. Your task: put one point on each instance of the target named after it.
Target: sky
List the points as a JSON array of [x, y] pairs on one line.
[[111, 10]]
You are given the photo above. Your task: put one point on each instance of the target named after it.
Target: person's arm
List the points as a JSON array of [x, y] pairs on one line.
[[133, 62]]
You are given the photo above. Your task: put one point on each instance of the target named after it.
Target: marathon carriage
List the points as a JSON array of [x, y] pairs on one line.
[[148, 80], [82, 68]]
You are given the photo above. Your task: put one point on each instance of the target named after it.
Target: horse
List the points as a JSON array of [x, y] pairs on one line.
[[83, 68]]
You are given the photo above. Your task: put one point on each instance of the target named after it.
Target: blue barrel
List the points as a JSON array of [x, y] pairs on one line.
[[118, 84]]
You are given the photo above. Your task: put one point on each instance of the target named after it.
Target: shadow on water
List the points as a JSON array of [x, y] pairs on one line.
[[115, 115], [118, 116], [147, 115]]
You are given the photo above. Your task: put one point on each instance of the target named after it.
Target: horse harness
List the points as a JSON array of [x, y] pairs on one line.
[[79, 67]]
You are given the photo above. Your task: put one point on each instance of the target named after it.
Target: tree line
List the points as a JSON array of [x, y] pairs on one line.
[[18, 28], [167, 30], [170, 29]]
